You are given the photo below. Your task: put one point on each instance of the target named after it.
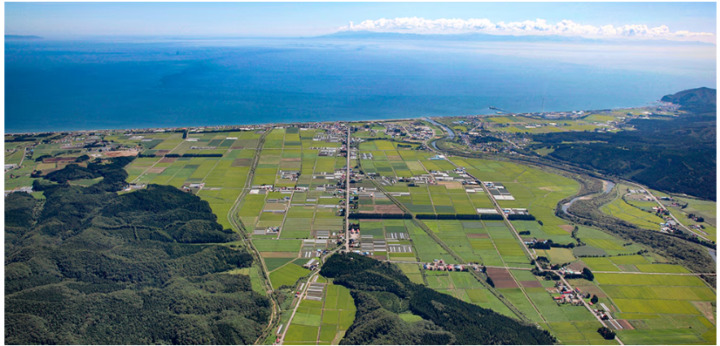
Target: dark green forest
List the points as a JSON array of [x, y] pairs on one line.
[[381, 291], [675, 155], [88, 265]]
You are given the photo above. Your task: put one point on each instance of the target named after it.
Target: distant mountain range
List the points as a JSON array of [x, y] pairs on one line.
[[477, 37], [453, 37]]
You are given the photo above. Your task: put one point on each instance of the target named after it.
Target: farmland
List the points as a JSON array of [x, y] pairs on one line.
[[322, 322], [632, 208], [283, 189]]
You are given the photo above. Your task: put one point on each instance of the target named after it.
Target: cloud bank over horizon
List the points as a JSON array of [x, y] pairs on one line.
[[537, 27]]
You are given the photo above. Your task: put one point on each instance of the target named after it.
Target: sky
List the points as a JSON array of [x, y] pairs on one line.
[[680, 21]]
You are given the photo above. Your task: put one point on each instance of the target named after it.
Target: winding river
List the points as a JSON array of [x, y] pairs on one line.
[[608, 186], [449, 131]]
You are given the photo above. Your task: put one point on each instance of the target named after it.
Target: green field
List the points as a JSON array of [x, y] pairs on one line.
[[663, 309], [653, 295], [534, 189], [287, 275], [621, 209], [322, 322]]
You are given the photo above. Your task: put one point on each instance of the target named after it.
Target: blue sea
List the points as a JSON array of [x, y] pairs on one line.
[[54, 85]]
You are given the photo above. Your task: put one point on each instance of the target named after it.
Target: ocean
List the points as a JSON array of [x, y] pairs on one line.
[[60, 85]]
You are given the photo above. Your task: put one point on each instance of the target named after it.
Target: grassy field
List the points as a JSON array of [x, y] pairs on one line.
[[706, 209], [600, 243], [287, 275], [534, 189], [464, 286], [623, 210], [662, 307], [322, 322]]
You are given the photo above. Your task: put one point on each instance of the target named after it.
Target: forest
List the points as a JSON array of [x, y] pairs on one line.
[[381, 291], [87, 265], [676, 155]]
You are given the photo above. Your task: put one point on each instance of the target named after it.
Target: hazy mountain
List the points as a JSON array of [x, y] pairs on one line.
[[478, 37]]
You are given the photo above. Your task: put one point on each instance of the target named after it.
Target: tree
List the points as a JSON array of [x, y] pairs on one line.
[[594, 299], [587, 274], [606, 333]]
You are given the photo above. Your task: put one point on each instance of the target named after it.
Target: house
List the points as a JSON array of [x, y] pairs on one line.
[[311, 264]]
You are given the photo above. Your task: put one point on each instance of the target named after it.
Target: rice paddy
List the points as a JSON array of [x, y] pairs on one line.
[[322, 322], [631, 211], [291, 214]]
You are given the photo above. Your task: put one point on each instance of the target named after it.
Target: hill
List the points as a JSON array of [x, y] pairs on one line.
[[381, 291], [676, 155], [700, 100], [90, 266]]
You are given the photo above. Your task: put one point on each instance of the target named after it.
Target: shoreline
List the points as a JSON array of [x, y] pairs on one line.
[[169, 128]]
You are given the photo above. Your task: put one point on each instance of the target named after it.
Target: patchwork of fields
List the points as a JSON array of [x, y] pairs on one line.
[[413, 207], [322, 322]]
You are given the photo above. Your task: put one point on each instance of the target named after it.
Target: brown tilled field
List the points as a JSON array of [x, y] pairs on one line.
[[387, 209], [121, 153], [501, 278], [625, 324], [533, 283], [451, 184]]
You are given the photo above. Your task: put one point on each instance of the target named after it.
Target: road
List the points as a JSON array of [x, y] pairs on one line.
[[297, 304], [239, 228], [287, 209], [527, 251], [347, 193], [153, 165], [23, 157], [587, 306], [494, 201], [346, 246], [668, 209], [310, 279]]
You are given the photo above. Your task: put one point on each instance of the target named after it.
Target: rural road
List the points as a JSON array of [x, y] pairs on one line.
[[668, 210]]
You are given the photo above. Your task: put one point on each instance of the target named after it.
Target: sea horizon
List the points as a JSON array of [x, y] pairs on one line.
[[103, 84]]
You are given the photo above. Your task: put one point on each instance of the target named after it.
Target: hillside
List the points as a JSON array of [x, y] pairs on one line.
[[676, 155], [381, 291], [700, 100], [90, 266]]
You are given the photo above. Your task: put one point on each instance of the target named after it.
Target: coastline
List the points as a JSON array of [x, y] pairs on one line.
[[263, 124]]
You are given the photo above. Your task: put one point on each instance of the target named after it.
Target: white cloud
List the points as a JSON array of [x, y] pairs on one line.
[[529, 27]]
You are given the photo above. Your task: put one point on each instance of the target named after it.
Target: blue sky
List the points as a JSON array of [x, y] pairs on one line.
[[307, 19]]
